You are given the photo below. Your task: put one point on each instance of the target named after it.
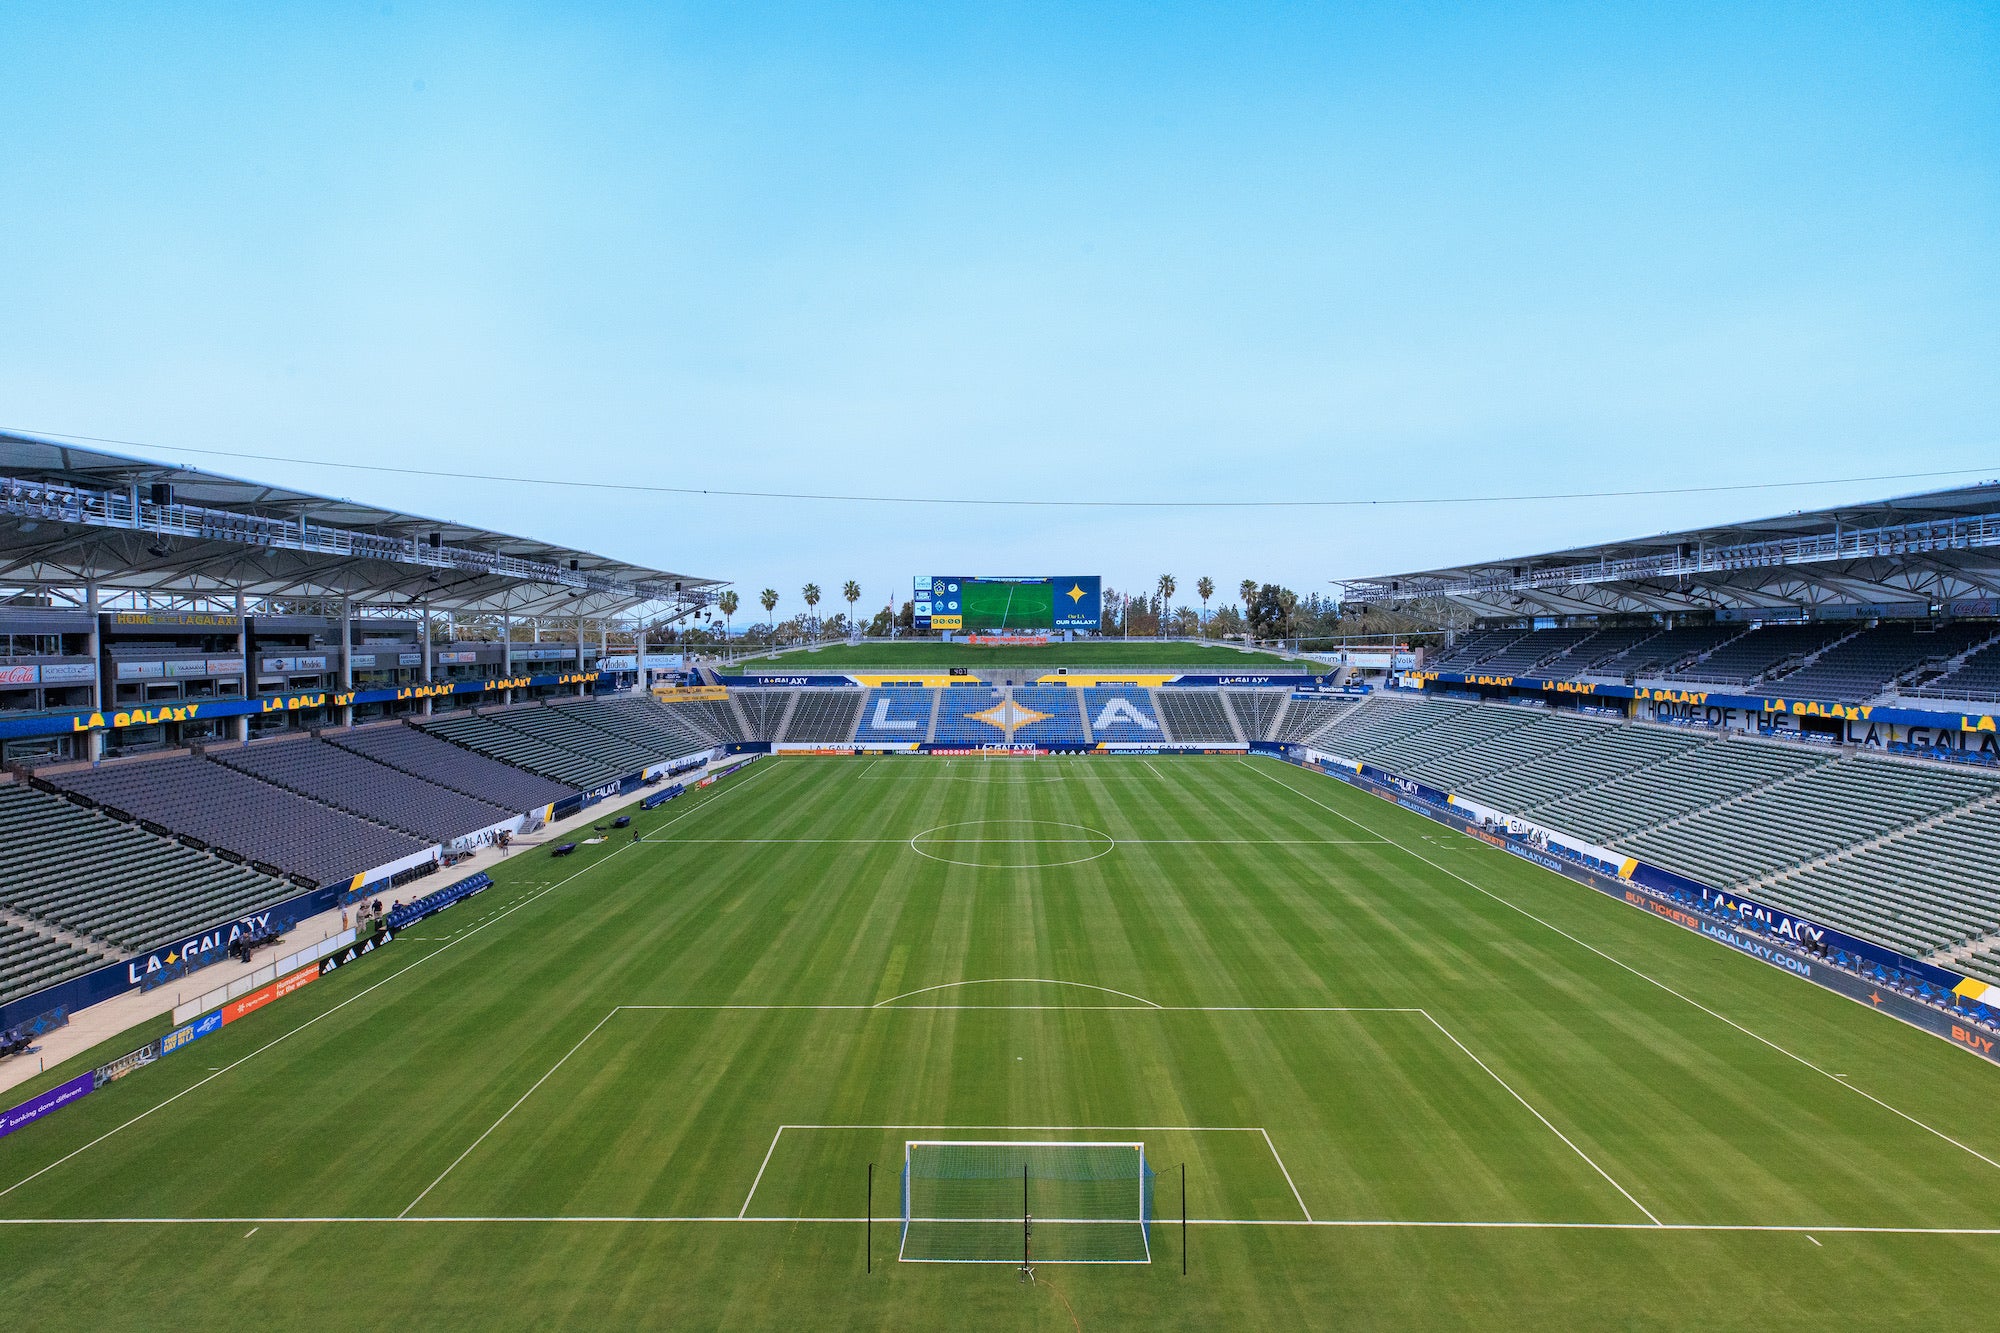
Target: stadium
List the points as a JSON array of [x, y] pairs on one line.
[[1652, 921], [1536, 867]]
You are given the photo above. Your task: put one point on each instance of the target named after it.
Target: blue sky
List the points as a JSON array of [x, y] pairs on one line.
[[1224, 252]]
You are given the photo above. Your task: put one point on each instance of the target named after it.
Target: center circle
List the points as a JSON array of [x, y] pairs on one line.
[[1012, 844]]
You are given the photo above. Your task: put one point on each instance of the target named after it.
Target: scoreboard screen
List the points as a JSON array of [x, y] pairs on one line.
[[978, 604]]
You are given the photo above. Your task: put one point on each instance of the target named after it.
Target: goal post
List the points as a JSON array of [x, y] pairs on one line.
[[1085, 1203]]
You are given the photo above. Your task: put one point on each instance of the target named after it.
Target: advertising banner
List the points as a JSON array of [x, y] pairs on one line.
[[54, 1099], [20, 675], [257, 999], [192, 1032]]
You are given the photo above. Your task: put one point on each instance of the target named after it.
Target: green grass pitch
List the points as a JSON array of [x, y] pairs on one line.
[[1415, 1083]]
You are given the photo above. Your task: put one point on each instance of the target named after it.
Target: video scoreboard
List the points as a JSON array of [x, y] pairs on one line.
[[979, 604]]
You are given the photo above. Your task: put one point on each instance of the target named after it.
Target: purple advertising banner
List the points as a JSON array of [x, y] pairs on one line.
[[36, 1107]]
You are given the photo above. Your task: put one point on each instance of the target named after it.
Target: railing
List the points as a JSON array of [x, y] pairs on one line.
[[1901, 539]]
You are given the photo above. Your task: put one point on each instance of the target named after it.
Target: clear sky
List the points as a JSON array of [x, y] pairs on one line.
[[1157, 251]]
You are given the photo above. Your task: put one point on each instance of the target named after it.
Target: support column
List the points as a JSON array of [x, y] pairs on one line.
[[507, 656], [427, 656], [579, 652], [347, 659], [243, 653], [603, 644], [94, 739]]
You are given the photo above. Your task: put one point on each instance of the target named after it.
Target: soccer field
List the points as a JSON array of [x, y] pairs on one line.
[[1413, 1082]]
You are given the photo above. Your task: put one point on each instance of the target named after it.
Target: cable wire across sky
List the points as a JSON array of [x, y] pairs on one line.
[[1350, 502]]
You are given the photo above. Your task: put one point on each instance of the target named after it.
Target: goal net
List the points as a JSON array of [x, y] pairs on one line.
[[990, 1202]]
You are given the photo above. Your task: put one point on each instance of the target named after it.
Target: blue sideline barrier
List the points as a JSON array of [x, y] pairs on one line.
[[432, 903]]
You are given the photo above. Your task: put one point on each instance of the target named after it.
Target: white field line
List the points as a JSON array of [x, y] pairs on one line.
[[1655, 981], [1004, 981], [1357, 1223], [1091, 1008], [1288, 1174], [504, 1114], [745, 1212], [1544, 1119], [744, 1215], [460, 938]]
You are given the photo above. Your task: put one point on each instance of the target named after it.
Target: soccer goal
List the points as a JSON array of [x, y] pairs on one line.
[[996, 1202]]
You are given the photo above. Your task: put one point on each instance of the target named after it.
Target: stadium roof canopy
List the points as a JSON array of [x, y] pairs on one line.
[[1935, 549], [72, 516]]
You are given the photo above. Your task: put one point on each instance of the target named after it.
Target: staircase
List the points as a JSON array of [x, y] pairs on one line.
[[784, 718], [55, 932]]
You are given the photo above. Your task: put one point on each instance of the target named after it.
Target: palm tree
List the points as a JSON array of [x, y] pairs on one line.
[[1247, 590], [727, 604], [852, 592], [769, 597], [811, 594], [1204, 588], [1166, 600]]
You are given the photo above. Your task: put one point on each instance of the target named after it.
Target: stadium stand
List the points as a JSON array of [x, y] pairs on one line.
[[241, 814], [1655, 654], [1867, 664], [712, 720], [1921, 889], [1609, 754], [1472, 726], [85, 872], [1686, 781], [485, 736], [1307, 718], [826, 716], [1064, 723], [896, 716], [347, 781], [763, 711], [1811, 814], [1122, 714], [1975, 678], [1195, 716], [1541, 737], [652, 726], [1256, 711], [1475, 649], [30, 960], [1383, 720], [1530, 651], [1604, 646], [955, 723], [411, 751], [1746, 660], [562, 725]]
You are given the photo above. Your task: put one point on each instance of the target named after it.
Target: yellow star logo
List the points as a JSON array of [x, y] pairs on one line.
[[173, 957], [1076, 592]]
